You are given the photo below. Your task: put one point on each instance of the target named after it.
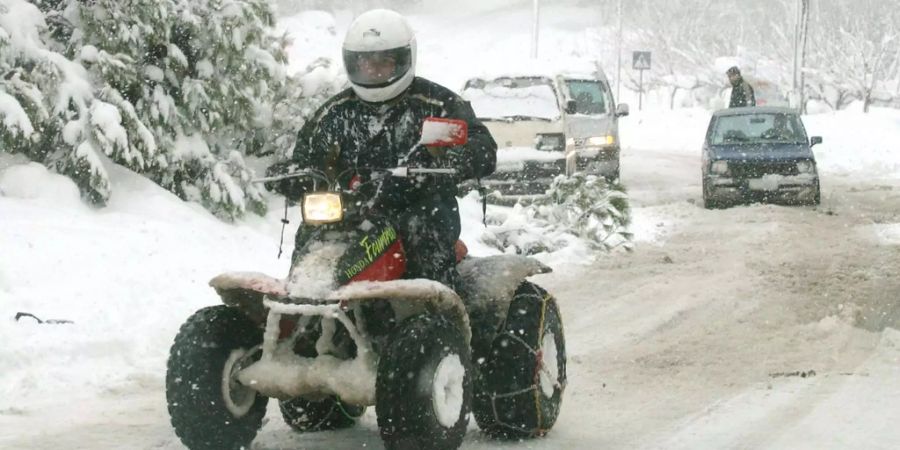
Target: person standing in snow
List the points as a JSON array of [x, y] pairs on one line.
[[741, 91], [374, 124]]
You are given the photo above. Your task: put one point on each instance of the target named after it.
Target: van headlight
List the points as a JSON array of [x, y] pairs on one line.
[[805, 167], [597, 141], [719, 167], [322, 207]]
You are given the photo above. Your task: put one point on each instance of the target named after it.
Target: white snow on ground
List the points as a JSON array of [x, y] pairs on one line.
[[887, 234], [128, 275]]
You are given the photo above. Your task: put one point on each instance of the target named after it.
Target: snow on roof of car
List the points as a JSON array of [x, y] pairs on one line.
[[755, 110], [566, 66]]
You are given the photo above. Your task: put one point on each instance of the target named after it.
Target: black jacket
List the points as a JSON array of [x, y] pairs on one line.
[[349, 133], [742, 95]]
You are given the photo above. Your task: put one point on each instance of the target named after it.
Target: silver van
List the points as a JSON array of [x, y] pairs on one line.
[[591, 123]]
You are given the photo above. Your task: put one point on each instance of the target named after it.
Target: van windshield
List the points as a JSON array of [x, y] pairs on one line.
[[513, 99], [588, 96]]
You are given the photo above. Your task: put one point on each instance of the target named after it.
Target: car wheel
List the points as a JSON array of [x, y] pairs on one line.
[[708, 201], [817, 195]]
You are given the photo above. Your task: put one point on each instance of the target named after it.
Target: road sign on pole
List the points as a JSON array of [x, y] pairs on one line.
[[640, 61]]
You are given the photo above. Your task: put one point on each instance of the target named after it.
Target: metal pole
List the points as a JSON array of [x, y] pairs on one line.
[[795, 81], [619, 47], [535, 27], [804, 31], [641, 93]]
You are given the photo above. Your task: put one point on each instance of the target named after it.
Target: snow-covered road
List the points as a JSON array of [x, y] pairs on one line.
[[753, 327], [700, 339]]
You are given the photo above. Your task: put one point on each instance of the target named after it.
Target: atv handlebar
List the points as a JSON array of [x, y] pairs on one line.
[[404, 172], [400, 172]]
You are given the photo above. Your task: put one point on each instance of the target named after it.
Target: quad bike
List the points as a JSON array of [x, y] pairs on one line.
[[345, 331]]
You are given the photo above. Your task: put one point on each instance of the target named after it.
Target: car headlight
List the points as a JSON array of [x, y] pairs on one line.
[[805, 167], [719, 167], [601, 140], [322, 207]]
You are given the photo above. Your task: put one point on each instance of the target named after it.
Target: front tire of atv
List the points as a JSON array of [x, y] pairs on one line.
[[424, 386], [209, 408], [329, 414], [521, 381]]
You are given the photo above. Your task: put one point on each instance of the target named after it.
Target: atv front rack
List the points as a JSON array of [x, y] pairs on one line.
[[283, 374]]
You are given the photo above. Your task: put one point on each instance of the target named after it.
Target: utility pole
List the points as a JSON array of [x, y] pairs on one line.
[[619, 49], [535, 28], [801, 30]]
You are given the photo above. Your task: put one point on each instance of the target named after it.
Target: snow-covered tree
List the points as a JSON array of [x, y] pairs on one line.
[[47, 108], [194, 82], [853, 45]]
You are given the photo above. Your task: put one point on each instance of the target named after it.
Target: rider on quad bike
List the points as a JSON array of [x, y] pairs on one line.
[[375, 310], [376, 122]]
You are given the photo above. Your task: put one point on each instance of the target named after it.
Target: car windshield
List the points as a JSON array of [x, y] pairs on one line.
[[757, 128], [588, 96], [516, 98]]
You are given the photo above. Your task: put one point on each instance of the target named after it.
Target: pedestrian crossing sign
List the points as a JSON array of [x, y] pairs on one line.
[[640, 60]]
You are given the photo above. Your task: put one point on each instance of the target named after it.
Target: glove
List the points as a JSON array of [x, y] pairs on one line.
[[289, 187]]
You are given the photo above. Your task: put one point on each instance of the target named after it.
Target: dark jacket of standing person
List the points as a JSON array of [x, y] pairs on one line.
[[741, 91]]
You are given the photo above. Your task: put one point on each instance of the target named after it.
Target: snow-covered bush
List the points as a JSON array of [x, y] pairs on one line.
[[582, 206]]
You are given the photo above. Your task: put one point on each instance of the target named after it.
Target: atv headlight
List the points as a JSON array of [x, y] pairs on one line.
[[719, 167], [601, 140], [322, 207], [804, 167]]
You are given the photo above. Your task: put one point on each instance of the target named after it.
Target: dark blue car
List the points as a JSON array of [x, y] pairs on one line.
[[759, 154]]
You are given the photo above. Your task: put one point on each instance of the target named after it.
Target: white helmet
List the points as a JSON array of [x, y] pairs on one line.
[[380, 55]]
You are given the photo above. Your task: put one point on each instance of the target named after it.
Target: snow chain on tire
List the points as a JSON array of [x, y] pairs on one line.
[[511, 396]]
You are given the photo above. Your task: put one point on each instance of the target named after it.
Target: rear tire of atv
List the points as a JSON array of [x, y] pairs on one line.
[[207, 412], [519, 388], [423, 390], [329, 414]]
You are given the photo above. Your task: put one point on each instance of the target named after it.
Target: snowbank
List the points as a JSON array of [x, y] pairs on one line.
[[857, 142]]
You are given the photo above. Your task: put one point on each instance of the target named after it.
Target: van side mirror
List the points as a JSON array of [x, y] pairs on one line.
[[622, 110], [815, 140], [571, 107]]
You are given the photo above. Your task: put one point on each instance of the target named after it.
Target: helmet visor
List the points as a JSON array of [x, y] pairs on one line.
[[377, 68]]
